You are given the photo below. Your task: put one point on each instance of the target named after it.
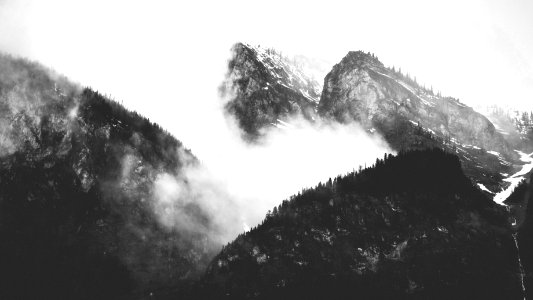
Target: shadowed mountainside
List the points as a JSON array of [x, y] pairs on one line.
[[266, 87], [410, 227], [78, 211]]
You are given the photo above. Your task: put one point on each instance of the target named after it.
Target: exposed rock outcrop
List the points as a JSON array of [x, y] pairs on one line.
[[264, 87], [361, 88]]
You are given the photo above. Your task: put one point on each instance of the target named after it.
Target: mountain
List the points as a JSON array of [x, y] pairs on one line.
[[382, 100], [410, 227], [361, 88], [79, 210], [265, 88]]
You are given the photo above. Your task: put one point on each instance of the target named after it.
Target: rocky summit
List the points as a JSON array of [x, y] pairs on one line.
[[264, 88]]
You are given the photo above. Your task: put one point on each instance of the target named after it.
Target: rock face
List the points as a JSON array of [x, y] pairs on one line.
[[265, 87], [77, 173], [361, 88], [411, 227]]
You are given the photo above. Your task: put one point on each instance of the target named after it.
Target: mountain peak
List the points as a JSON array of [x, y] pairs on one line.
[[361, 59]]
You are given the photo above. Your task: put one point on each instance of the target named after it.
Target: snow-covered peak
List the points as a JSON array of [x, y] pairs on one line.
[[290, 71]]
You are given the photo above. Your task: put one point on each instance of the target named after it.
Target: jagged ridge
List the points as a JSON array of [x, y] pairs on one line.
[[264, 88]]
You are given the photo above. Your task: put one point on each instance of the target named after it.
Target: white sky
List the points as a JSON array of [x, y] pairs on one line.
[[166, 59]]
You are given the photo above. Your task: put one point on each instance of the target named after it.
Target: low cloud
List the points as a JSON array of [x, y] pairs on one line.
[[238, 182]]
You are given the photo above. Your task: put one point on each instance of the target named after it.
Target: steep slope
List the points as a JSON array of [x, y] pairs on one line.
[[79, 217], [264, 87], [361, 88], [411, 227]]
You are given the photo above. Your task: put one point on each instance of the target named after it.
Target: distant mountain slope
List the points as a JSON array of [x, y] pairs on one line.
[[77, 174], [411, 227], [265, 87], [516, 126]]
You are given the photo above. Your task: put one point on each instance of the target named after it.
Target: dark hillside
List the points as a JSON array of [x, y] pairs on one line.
[[410, 227], [77, 218]]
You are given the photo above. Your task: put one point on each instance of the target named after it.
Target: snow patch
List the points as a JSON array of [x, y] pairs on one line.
[[484, 188], [516, 178], [494, 153]]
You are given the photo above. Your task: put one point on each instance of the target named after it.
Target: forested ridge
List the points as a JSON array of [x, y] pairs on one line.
[[410, 227]]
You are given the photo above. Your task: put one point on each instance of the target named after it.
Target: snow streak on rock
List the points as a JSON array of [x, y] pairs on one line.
[[515, 178]]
